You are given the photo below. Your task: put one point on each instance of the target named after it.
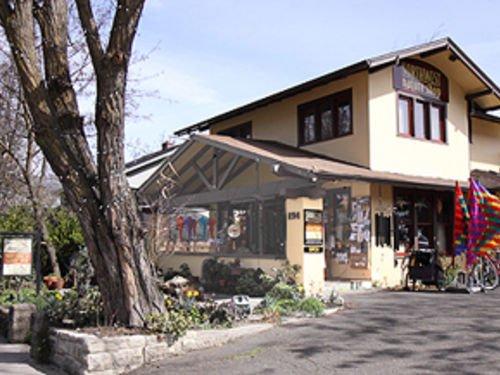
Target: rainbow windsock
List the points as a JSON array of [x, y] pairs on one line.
[[484, 223], [461, 219]]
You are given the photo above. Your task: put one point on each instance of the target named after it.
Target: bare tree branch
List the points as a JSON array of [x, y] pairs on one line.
[[91, 31]]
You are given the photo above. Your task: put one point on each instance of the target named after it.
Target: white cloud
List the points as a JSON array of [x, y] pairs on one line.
[[171, 82]]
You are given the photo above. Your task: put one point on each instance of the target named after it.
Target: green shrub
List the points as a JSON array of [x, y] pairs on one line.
[[24, 295], [282, 291], [173, 323], [17, 219], [254, 282], [72, 308], [284, 307], [312, 306], [287, 273]]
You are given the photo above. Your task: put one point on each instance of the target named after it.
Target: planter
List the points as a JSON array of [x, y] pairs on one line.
[[53, 282]]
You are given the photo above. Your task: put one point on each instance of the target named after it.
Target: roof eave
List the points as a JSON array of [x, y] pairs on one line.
[[371, 65]]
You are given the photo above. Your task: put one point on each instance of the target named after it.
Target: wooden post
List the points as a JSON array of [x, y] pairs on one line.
[[38, 262]]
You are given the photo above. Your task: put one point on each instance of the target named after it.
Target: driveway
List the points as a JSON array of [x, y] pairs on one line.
[[381, 333]]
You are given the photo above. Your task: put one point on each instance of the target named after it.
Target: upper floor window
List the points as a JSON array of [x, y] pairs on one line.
[[325, 118], [421, 119], [238, 131], [422, 100]]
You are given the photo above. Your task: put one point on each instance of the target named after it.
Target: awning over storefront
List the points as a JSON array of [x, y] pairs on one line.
[[295, 162]]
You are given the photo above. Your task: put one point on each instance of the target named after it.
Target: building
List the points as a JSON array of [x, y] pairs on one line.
[[342, 174]]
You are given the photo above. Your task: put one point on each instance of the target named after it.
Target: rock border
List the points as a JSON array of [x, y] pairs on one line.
[[82, 353]]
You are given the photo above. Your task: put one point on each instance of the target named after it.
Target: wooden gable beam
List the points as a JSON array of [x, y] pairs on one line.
[[202, 176], [228, 171]]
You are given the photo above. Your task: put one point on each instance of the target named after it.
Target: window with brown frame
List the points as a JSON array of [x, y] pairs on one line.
[[421, 119], [325, 118]]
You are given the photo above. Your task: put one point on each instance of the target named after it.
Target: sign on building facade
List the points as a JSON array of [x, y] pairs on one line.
[[422, 79]]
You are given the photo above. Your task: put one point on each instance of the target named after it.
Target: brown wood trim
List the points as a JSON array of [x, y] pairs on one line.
[[316, 107], [478, 94]]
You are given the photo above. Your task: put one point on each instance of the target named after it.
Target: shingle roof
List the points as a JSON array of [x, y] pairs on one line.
[[304, 163]]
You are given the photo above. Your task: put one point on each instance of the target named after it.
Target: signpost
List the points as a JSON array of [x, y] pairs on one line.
[[17, 256]]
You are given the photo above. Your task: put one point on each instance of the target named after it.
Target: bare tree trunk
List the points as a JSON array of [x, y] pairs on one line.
[[100, 196], [41, 228]]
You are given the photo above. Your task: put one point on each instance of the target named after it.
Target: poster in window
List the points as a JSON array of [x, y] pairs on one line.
[[313, 230], [341, 256], [360, 232], [359, 260], [17, 256]]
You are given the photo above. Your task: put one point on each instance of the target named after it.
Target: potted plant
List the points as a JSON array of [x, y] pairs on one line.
[[53, 282]]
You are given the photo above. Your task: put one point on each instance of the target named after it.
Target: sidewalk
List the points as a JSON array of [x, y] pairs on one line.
[[15, 359]]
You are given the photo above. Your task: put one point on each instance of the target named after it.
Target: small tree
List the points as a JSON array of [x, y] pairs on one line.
[[96, 189], [26, 177]]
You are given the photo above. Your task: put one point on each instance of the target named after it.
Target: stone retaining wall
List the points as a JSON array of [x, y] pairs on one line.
[[15, 322], [81, 353]]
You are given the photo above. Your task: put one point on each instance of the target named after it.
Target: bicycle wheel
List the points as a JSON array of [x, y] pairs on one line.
[[474, 279], [489, 274]]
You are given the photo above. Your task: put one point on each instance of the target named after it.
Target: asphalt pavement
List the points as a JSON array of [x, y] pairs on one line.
[[378, 333]]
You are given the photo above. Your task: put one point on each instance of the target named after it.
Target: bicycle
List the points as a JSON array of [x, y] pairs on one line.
[[483, 275]]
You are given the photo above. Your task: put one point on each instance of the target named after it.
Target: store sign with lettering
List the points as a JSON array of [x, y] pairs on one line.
[[295, 215], [313, 249], [16, 256], [420, 78], [313, 231]]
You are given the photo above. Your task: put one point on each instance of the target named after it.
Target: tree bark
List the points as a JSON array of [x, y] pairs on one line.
[[99, 194]]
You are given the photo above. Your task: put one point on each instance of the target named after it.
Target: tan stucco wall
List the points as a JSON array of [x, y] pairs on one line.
[[312, 265], [485, 147], [195, 262], [384, 271], [278, 121], [393, 153]]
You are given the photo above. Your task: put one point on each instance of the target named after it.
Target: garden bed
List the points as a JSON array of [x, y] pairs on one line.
[[111, 351]]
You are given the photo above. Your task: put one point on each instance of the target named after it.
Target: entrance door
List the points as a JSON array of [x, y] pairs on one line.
[[423, 219]]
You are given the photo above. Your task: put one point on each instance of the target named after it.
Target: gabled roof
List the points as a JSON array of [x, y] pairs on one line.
[[140, 169], [298, 162], [370, 64]]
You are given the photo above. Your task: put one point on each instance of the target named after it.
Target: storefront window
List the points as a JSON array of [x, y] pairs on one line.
[[245, 228], [274, 227], [403, 219], [347, 232], [423, 219]]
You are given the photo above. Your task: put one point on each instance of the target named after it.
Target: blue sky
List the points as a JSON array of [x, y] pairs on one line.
[[212, 55]]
